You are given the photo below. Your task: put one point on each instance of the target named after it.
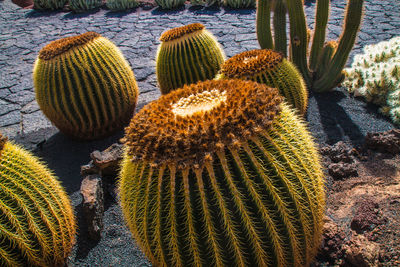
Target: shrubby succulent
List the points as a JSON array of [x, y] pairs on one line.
[[239, 3], [375, 75], [222, 173], [84, 5], [120, 5], [170, 4], [49, 4]]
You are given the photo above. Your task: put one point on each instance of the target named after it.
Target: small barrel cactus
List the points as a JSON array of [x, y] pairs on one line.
[[80, 6], [85, 86], [239, 3], [186, 55], [269, 67], [118, 5], [375, 75], [49, 4], [222, 173], [37, 223], [170, 4]]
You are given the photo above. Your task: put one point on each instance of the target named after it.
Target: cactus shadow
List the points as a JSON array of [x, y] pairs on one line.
[[161, 11], [335, 121], [240, 11], [120, 13], [66, 156], [205, 10], [39, 13]]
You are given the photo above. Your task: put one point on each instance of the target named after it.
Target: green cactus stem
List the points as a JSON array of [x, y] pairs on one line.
[[186, 55], [85, 86], [37, 223], [170, 4], [80, 6], [308, 60], [351, 26], [120, 5], [222, 173], [271, 68], [263, 24], [279, 21]]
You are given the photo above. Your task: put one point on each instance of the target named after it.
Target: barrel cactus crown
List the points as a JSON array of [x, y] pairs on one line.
[[85, 86], [222, 173], [271, 68], [186, 55], [49, 4], [37, 223]]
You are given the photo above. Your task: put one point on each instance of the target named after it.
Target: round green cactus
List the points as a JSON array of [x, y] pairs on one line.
[[222, 173], [170, 4], [271, 68], [117, 5], [85, 86], [186, 55], [84, 5], [239, 3], [49, 4], [37, 223]]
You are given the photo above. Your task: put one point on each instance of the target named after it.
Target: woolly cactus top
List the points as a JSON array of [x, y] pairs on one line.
[[251, 62], [189, 124], [61, 46], [178, 32], [3, 141]]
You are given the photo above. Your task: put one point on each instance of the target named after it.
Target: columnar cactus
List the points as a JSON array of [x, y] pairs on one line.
[[222, 173], [49, 4], [37, 223], [186, 55], [84, 5], [84, 86], [309, 67], [269, 67], [375, 75], [118, 5]]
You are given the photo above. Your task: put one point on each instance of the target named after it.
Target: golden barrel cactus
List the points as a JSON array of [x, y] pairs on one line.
[[84, 85], [222, 173], [269, 67], [186, 55], [37, 223]]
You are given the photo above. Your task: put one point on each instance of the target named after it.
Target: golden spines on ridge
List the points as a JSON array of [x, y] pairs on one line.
[[187, 55], [84, 85], [269, 67], [179, 32], [37, 226], [254, 200], [160, 132]]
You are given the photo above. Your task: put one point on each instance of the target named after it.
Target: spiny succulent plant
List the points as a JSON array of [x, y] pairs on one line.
[[49, 4], [170, 4], [269, 67], [84, 5], [239, 3], [37, 223], [222, 173], [375, 75], [308, 60], [186, 55], [204, 2], [118, 5], [85, 86]]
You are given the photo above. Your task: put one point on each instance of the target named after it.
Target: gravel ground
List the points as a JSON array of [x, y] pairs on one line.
[[332, 117]]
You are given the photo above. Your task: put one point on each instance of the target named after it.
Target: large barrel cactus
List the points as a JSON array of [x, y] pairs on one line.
[[49, 4], [186, 55], [222, 173], [85, 86], [37, 223], [269, 67]]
